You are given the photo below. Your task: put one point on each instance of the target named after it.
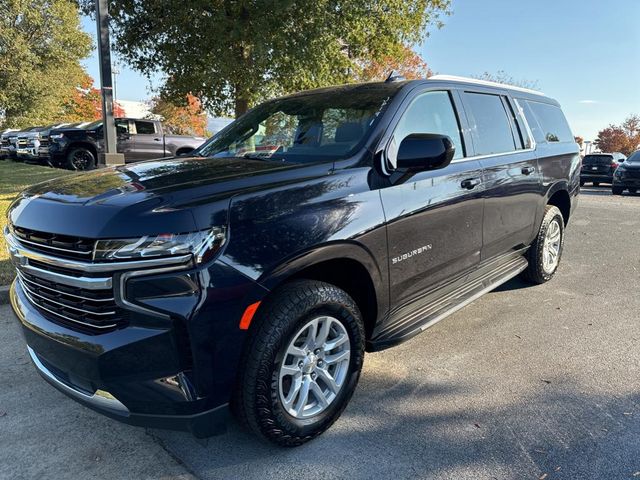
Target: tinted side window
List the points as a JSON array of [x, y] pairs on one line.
[[490, 123], [552, 122], [431, 112], [536, 131], [145, 128]]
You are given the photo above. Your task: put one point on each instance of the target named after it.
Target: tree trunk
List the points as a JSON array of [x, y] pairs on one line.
[[242, 105]]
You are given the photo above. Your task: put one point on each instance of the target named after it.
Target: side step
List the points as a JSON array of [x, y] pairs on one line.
[[416, 317]]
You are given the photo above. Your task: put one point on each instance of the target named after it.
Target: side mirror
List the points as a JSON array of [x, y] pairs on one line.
[[425, 151]]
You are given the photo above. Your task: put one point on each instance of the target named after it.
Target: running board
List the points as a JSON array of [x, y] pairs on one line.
[[416, 317]]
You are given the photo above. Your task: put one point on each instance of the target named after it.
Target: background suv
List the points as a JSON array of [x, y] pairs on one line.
[[598, 168], [627, 175]]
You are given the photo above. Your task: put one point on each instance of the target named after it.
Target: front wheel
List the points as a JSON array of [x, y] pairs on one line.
[[545, 252], [617, 190], [81, 158], [596, 184], [301, 363]]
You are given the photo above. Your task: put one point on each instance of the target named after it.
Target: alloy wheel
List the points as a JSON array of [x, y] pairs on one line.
[[314, 368]]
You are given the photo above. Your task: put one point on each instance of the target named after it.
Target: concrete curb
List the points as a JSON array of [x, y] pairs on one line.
[[4, 295]]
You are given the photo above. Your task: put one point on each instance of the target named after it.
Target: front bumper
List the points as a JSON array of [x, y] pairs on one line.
[[123, 374], [27, 154]]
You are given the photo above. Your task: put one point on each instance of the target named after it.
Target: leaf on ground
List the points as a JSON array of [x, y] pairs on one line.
[[543, 476]]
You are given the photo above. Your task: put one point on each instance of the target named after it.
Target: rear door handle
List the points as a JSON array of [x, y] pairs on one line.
[[470, 183], [528, 170]]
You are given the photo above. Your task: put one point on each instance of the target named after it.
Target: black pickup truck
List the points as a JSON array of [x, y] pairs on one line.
[[255, 272], [137, 139]]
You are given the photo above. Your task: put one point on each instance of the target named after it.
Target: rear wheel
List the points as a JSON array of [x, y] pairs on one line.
[[301, 364], [81, 158], [596, 184], [617, 190], [546, 250]]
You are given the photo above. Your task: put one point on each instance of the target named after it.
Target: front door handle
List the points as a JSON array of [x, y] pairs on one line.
[[470, 183], [528, 170], [157, 139]]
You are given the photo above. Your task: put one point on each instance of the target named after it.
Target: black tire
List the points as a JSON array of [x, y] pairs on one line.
[[256, 401], [80, 159], [582, 183], [535, 272], [617, 190], [633, 190], [596, 184]]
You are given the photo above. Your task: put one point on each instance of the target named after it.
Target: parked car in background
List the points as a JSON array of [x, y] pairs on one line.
[[257, 271], [9, 146], [627, 176], [137, 139], [43, 144], [598, 168], [4, 142], [28, 143]]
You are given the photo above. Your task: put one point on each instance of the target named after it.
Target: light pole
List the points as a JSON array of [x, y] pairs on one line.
[[116, 71], [110, 155]]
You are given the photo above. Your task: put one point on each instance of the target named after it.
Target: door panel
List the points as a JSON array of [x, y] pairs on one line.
[[148, 142], [434, 228], [512, 195]]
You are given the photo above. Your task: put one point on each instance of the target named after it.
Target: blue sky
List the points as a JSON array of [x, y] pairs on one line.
[[584, 53]]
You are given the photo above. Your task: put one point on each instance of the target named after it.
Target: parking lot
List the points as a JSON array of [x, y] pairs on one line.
[[527, 382]]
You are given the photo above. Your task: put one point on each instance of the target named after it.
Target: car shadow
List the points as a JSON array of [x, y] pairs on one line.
[[384, 434]]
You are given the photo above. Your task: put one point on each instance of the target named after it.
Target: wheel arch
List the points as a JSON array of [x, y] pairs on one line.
[[348, 266], [560, 198]]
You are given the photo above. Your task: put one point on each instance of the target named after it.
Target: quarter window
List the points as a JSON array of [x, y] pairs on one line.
[[431, 112], [145, 128], [490, 124], [552, 122]]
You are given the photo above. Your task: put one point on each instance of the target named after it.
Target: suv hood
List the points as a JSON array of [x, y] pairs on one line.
[[176, 195]]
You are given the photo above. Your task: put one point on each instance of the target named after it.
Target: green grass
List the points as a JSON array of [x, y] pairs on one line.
[[15, 177]]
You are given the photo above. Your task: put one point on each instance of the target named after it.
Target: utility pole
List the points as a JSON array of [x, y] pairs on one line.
[[110, 157]]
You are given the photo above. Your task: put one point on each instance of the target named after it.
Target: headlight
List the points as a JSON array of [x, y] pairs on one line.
[[56, 136], [202, 245]]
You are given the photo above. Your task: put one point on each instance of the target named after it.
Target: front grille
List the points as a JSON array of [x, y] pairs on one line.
[[633, 173], [84, 309], [53, 244], [44, 142], [22, 142]]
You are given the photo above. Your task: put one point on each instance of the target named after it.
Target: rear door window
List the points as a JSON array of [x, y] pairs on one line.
[[491, 127], [551, 121], [145, 128]]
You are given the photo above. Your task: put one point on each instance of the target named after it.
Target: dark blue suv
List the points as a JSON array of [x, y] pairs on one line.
[[255, 273]]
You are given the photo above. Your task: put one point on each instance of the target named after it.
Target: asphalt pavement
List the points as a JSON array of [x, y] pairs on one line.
[[525, 383]]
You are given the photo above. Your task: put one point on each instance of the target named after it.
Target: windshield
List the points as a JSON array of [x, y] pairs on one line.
[[313, 127], [634, 158]]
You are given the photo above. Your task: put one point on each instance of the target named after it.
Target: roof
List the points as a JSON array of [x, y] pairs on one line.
[[475, 81]]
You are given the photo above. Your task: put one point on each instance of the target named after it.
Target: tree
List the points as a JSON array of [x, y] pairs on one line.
[[503, 77], [234, 54], [624, 138], [408, 64], [41, 45], [187, 118]]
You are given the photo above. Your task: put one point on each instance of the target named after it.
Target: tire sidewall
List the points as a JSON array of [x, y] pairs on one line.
[[306, 427], [552, 214], [70, 164]]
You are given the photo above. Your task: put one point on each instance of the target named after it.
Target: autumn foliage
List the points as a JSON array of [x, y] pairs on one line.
[[624, 138], [85, 104], [186, 119], [406, 63]]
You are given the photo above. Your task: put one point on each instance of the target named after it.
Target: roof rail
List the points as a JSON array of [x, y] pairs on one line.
[[484, 82]]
